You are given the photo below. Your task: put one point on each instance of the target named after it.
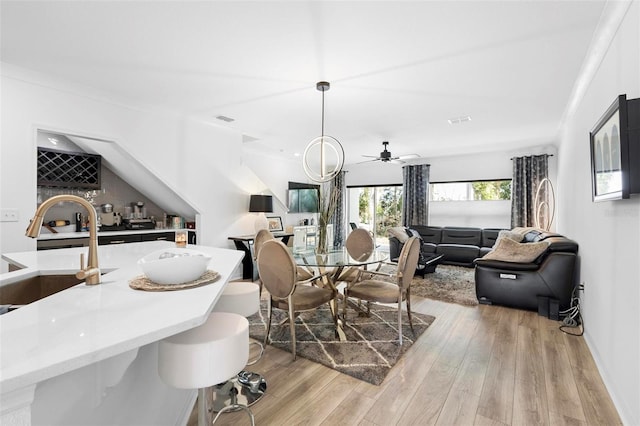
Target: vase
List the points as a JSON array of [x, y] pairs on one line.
[[322, 245]]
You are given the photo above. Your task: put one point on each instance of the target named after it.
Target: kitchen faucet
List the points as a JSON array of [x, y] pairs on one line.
[[91, 274]]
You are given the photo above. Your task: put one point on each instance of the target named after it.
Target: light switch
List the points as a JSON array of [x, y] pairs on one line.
[[8, 215]]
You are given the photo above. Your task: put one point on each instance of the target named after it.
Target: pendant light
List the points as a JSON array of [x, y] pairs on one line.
[[323, 149]]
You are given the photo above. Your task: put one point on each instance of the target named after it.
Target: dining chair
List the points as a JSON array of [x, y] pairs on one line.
[[360, 246], [278, 271], [263, 236], [378, 291]]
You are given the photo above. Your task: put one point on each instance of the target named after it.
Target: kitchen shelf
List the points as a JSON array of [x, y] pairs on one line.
[[68, 169]]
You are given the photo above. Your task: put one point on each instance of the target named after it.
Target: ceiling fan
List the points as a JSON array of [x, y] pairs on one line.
[[385, 156]]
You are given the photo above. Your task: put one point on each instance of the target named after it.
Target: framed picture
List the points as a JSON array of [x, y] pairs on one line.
[[609, 153], [275, 224]]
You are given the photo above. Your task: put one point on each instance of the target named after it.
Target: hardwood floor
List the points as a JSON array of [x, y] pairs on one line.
[[484, 365]]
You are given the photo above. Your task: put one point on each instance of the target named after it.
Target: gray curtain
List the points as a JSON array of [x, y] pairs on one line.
[[339, 218], [415, 194], [527, 174]]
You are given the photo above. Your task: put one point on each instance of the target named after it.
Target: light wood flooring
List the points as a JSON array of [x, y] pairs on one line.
[[484, 365]]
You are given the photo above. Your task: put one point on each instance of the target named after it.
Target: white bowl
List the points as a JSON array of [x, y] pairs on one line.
[[174, 265]]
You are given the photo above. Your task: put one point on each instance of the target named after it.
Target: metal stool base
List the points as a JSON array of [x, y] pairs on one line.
[[244, 389]]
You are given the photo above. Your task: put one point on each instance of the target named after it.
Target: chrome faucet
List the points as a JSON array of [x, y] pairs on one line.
[[91, 274]]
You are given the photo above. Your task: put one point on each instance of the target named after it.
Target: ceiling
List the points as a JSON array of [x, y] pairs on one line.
[[398, 70]]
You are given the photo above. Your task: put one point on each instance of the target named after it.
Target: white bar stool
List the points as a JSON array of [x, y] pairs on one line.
[[205, 356], [242, 298]]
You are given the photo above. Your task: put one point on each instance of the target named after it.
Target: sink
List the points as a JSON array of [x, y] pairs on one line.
[[32, 289]]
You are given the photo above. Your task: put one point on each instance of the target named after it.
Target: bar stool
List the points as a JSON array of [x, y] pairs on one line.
[[205, 356], [242, 298]]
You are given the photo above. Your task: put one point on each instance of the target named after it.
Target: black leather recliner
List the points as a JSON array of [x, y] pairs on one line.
[[546, 284]]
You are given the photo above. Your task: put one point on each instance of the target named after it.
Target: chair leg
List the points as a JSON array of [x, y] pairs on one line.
[[292, 328], [409, 310], [266, 336], [345, 301], [400, 319]]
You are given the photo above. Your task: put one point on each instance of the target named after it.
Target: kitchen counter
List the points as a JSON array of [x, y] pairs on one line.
[[85, 234], [85, 325]]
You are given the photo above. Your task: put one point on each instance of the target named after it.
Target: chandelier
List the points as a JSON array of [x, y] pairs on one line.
[[323, 157]]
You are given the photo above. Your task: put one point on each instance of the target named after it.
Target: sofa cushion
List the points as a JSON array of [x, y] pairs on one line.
[[458, 253], [464, 236], [489, 236], [508, 250], [429, 234], [400, 233]]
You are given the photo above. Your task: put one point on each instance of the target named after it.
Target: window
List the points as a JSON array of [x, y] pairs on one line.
[[377, 208], [471, 190]]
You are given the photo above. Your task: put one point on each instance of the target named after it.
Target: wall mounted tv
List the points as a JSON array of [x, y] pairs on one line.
[[615, 151], [303, 197]]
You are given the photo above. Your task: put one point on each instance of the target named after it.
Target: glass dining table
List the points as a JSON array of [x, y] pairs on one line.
[[332, 264]]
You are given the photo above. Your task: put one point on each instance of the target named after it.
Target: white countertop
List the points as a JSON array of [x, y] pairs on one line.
[[85, 324]]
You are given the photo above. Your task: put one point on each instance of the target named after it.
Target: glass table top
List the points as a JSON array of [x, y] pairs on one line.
[[336, 257]]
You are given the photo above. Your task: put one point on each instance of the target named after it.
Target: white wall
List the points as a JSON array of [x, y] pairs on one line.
[[608, 232], [198, 160]]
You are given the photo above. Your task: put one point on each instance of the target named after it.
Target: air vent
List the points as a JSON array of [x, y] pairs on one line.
[[459, 120], [227, 119]]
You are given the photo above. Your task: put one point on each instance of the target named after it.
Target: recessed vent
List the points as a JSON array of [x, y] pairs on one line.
[[227, 119], [459, 120]]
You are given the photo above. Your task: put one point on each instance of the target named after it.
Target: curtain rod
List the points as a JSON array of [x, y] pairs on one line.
[[548, 155]]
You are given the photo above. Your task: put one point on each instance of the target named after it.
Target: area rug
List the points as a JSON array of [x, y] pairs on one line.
[[371, 348], [453, 284]]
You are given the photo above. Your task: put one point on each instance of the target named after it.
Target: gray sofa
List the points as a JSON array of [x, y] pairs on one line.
[[458, 245]]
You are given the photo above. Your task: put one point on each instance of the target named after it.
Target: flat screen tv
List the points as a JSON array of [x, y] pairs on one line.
[[614, 143], [303, 198]]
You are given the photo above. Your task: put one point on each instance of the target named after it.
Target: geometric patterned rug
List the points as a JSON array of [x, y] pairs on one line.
[[371, 348]]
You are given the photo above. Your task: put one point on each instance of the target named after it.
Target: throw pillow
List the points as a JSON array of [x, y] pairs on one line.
[[400, 233], [515, 236], [508, 250]]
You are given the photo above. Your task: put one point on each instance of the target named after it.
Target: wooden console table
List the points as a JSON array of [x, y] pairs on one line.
[[245, 243]]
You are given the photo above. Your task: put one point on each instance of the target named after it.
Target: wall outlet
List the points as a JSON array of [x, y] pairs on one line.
[[8, 215]]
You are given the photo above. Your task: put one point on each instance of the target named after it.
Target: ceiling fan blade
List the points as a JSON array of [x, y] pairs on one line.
[[397, 161], [368, 161], [372, 156], [407, 156]]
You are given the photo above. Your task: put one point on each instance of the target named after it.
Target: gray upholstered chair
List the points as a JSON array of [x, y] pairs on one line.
[[360, 246], [378, 291], [263, 236], [279, 275]]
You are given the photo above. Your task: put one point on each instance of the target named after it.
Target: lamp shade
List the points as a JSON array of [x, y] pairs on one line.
[[261, 204]]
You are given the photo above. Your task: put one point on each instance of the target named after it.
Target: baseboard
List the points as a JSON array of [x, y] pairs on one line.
[[621, 408]]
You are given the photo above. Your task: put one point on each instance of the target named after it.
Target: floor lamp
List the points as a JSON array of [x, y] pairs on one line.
[[542, 206]]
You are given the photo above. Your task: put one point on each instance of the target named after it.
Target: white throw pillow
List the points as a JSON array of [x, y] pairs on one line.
[[508, 250], [400, 233]]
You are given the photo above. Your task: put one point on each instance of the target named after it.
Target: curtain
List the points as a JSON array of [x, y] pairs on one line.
[[338, 218], [527, 174], [415, 194]]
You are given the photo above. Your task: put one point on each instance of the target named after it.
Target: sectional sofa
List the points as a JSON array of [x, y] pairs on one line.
[[458, 245]]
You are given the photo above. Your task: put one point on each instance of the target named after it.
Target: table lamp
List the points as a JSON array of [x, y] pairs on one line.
[[261, 204]]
